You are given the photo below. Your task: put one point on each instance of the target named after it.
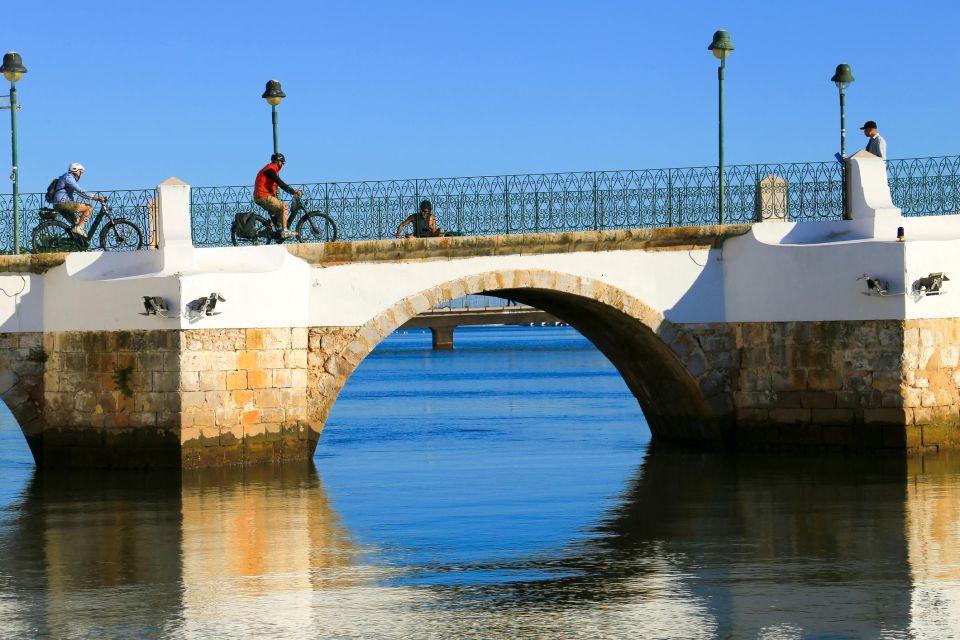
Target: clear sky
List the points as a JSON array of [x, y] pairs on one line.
[[139, 92]]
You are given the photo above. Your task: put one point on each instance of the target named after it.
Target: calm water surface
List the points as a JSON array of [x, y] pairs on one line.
[[504, 490]]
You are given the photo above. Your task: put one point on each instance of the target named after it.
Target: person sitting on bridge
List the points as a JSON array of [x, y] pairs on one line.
[[424, 223], [265, 193], [63, 199]]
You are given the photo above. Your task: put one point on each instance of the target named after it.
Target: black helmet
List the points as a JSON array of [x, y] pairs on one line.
[[426, 204], [278, 157]]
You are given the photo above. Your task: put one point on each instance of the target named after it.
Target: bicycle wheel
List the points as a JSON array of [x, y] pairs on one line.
[[317, 226], [53, 236], [261, 232], [121, 235]]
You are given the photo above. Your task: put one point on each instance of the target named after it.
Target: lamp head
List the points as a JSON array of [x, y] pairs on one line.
[[273, 94], [843, 76], [12, 68], [721, 45]]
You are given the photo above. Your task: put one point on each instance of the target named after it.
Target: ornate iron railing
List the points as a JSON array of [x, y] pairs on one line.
[[597, 200], [576, 201], [134, 205]]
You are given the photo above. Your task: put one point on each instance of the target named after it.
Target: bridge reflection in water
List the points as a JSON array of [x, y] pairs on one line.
[[700, 545]]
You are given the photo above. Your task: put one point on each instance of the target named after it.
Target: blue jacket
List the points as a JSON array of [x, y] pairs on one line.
[[66, 188]]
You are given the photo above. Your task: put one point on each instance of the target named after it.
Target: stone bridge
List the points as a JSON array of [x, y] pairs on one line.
[[734, 336]]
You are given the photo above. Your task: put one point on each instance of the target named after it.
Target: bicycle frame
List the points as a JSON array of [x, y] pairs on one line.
[[103, 213]]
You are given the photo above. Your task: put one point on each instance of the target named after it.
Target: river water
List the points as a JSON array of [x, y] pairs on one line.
[[507, 489]]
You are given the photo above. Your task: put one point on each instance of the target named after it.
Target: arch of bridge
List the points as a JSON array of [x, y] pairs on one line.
[[662, 363]]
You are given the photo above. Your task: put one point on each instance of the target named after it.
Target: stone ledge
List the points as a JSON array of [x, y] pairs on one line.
[[31, 262], [419, 249]]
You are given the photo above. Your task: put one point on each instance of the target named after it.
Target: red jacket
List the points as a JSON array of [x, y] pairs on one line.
[[264, 186]]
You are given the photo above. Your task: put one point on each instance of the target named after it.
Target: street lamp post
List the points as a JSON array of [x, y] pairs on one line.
[[13, 70], [721, 47], [842, 77], [273, 95]]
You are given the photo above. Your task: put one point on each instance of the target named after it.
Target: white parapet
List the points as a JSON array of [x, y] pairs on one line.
[[97, 291], [870, 203]]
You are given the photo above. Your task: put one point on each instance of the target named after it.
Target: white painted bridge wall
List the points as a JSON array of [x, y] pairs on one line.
[[778, 271]]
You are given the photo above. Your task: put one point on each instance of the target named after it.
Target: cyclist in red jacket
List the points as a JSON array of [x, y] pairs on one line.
[[265, 193]]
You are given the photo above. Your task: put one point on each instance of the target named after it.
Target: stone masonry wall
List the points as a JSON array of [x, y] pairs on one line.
[[244, 396], [110, 399], [174, 398], [21, 377], [878, 384]]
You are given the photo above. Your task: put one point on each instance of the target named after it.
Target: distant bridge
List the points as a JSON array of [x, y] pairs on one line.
[[443, 320]]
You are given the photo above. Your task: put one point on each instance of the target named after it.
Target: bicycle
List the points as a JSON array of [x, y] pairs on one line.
[[250, 228], [118, 234]]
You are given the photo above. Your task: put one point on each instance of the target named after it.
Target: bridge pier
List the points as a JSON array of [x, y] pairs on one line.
[[442, 336]]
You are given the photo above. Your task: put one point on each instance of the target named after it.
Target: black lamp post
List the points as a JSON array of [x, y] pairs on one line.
[[274, 95], [721, 47], [13, 70], [843, 77]]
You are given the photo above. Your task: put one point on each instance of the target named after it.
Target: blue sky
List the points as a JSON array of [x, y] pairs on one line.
[[139, 92]]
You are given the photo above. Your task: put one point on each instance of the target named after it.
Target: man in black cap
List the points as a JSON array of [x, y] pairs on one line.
[[876, 144]]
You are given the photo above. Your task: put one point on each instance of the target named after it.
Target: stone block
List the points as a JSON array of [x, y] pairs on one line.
[[222, 361], [204, 419], [298, 379], [189, 380], [832, 416], [273, 415], [298, 338], [823, 380], [219, 399], [192, 400], [248, 359], [818, 399], [790, 416], [227, 418], [150, 361], [754, 399], [213, 381], [267, 398], [887, 416], [259, 379], [235, 380], [943, 432], [255, 339], [892, 399], [275, 338], [165, 380], [242, 397], [293, 397], [949, 356], [789, 380], [272, 359], [281, 378], [297, 358]]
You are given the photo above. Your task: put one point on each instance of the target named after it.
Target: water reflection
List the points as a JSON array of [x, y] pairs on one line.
[[704, 545], [699, 545], [933, 530]]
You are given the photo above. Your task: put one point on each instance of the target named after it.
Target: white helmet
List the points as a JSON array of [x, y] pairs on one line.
[[74, 167]]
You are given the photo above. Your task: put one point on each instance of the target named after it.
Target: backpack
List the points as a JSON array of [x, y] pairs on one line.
[[52, 190], [245, 224]]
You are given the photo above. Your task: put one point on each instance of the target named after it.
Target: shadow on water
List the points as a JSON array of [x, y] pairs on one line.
[[706, 545]]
